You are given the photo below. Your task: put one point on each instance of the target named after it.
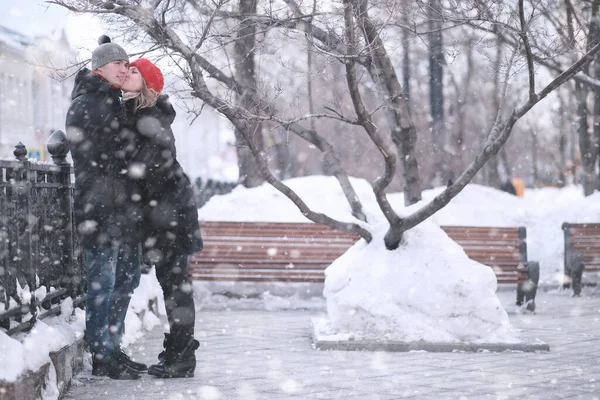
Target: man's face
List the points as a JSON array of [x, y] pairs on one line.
[[114, 72]]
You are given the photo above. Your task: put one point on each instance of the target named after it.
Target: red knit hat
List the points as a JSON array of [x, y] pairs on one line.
[[151, 73]]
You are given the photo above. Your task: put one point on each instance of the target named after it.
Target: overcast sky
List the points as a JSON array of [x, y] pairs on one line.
[[35, 17]]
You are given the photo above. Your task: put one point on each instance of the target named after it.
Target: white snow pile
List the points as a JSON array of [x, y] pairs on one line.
[[146, 305], [266, 204], [427, 289], [31, 350]]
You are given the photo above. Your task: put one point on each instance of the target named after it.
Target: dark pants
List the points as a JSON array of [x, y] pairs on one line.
[[112, 275], [173, 275]]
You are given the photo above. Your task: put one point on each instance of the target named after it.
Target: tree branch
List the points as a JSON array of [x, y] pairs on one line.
[[167, 38], [364, 118], [528, 55], [503, 129]]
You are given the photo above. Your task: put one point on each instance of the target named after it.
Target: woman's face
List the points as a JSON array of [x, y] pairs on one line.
[[133, 82]]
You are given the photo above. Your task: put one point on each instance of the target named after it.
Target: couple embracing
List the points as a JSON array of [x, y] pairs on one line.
[[133, 204]]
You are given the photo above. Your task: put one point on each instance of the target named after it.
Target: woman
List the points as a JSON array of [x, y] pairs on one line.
[[170, 218]]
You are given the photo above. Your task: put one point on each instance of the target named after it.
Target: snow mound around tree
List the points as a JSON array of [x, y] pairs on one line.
[[427, 289]]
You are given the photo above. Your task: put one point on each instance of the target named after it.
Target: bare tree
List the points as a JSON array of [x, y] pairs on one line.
[[458, 111], [245, 74], [587, 145], [363, 52], [443, 169], [563, 32]]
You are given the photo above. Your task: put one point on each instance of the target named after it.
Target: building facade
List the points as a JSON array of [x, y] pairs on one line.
[[34, 90], [35, 93]]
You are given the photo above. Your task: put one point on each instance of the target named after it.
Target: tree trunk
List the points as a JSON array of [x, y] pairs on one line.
[[245, 74], [534, 158], [572, 95], [406, 63], [575, 159], [562, 142], [404, 134], [493, 177], [585, 144], [283, 156], [596, 91], [506, 164], [461, 109], [587, 140], [442, 167]]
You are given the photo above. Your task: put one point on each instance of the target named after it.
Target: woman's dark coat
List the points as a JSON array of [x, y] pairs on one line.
[[170, 220], [105, 207]]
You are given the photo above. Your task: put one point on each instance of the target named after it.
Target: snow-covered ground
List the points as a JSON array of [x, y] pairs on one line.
[[427, 289]]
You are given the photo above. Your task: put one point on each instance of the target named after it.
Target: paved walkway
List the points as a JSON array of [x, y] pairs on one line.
[[268, 355]]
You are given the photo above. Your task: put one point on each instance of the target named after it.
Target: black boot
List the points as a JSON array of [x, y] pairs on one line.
[[113, 367], [166, 344], [177, 361], [125, 359]]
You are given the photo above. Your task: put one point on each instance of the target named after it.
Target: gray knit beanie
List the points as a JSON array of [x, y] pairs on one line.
[[107, 52]]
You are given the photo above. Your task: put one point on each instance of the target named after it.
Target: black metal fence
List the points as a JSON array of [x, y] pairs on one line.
[[204, 191], [39, 266]]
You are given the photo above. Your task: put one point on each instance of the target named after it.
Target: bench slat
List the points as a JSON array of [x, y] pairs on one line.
[[285, 268], [253, 251], [315, 279]]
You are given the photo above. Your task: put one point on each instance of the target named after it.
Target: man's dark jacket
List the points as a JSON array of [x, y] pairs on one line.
[[170, 213], [106, 212]]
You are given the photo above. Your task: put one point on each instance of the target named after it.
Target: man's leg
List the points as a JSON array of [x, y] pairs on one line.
[[100, 283], [127, 278], [101, 265]]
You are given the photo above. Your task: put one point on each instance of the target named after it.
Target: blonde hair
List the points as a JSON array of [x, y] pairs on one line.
[[146, 98]]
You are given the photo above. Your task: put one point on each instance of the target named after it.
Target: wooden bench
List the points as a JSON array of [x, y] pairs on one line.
[[299, 252], [582, 252]]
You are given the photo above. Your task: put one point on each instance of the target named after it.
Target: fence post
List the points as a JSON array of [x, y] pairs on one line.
[[566, 227], [58, 147], [21, 194]]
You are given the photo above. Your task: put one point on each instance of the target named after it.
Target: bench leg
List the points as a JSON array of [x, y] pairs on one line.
[[527, 291], [576, 274], [576, 270]]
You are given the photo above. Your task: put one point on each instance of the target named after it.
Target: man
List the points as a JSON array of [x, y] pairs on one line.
[[106, 214]]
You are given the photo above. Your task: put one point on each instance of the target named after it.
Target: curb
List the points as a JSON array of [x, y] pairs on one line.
[[67, 362], [323, 341]]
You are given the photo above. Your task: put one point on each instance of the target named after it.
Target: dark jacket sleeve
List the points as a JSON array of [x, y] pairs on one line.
[[157, 149], [85, 122]]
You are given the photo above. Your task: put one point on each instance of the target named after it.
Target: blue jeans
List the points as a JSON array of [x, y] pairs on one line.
[[112, 275]]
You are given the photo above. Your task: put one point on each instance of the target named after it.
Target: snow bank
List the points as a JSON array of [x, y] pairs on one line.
[[266, 204], [140, 318], [541, 211], [548, 209], [31, 350]]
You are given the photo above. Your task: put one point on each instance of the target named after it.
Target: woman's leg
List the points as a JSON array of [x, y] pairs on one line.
[[173, 276], [178, 359]]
